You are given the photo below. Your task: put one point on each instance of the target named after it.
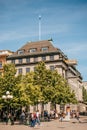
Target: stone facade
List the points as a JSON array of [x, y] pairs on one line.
[[85, 84]]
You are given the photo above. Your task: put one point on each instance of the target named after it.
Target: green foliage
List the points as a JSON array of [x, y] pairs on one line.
[[31, 91], [62, 92], [84, 92], [42, 85], [9, 82], [53, 86]]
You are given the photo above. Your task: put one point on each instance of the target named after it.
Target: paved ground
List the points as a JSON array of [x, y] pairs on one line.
[[73, 124]]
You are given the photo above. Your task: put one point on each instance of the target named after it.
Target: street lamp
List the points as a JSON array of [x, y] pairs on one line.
[[7, 96]]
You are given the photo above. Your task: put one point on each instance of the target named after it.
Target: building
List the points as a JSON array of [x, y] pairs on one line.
[[3, 55], [85, 105], [27, 57], [85, 84]]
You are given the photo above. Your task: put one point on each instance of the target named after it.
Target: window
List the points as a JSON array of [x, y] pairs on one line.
[[20, 71], [52, 68], [35, 59], [44, 48], [27, 70], [52, 57], [43, 58], [32, 50], [20, 51], [13, 61], [20, 61], [27, 60], [0, 64]]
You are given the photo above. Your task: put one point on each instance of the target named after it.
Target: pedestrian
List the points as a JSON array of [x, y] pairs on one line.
[[5, 117], [77, 116], [33, 119], [61, 117], [22, 117], [12, 118], [37, 117]]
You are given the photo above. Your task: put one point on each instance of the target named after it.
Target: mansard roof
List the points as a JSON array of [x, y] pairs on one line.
[[24, 51], [38, 45]]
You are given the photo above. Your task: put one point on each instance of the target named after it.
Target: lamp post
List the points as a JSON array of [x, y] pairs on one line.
[[41, 103], [7, 97]]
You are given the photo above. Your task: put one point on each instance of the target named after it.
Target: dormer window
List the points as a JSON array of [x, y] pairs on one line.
[[32, 50], [44, 48], [21, 52]]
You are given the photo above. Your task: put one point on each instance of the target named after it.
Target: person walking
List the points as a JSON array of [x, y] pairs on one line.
[[12, 118], [33, 119], [37, 117], [22, 117], [77, 116], [5, 117]]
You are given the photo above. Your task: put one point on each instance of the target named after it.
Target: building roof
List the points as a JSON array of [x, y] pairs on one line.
[[5, 52], [38, 45], [47, 47]]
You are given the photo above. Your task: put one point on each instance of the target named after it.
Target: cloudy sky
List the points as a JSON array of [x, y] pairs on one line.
[[65, 21]]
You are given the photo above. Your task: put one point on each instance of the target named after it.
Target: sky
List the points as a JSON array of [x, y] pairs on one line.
[[65, 21]]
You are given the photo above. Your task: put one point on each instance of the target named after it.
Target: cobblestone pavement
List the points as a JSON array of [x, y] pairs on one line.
[[73, 124]]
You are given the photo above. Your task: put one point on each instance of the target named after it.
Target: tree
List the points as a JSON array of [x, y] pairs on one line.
[[9, 82], [62, 91], [42, 85], [42, 77], [53, 86], [84, 93], [32, 92]]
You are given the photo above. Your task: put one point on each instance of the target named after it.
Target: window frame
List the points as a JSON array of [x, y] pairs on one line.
[[43, 58], [52, 68], [32, 50], [44, 49], [20, 71], [51, 57], [28, 60], [20, 61], [13, 61], [27, 69], [20, 52]]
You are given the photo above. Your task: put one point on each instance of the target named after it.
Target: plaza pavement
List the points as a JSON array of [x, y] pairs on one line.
[[73, 124]]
